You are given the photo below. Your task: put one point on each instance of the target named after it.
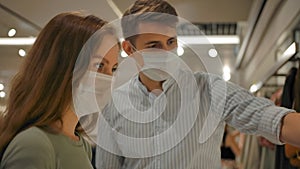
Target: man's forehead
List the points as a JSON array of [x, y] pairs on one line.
[[156, 28]]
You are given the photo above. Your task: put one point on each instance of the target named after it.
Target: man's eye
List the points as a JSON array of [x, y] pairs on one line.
[[114, 68], [171, 42]]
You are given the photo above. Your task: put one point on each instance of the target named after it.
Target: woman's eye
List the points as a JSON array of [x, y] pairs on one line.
[[157, 46], [152, 46], [99, 65]]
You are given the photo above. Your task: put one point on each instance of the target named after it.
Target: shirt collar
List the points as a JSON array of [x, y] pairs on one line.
[[166, 84]]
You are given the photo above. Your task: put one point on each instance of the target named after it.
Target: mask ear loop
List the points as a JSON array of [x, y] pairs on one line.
[[135, 50]]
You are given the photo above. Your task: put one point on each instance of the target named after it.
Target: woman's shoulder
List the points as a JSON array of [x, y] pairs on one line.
[[31, 144], [32, 136]]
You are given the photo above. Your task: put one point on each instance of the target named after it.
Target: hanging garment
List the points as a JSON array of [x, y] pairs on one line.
[[292, 152], [297, 91], [287, 99]]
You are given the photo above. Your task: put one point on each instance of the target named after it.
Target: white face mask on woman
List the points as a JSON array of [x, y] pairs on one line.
[[93, 93], [160, 65]]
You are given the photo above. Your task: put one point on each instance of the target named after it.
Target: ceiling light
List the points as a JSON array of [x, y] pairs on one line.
[[17, 41], [291, 50], [180, 50], [1, 86], [22, 52], [226, 69], [255, 87], [226, 76], [212, 53], [11, 32], [2, 94], [212, 39]]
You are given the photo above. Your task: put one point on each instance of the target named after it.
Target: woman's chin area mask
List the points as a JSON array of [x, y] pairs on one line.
[[93, 93]]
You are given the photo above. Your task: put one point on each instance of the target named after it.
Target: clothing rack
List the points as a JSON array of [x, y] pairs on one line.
[[286, 57], [296, 58], [257, 156]]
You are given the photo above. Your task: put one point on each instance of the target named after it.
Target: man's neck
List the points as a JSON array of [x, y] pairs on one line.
[[151, 85]]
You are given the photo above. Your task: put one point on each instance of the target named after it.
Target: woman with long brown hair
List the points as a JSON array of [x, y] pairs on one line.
[[40, 128]]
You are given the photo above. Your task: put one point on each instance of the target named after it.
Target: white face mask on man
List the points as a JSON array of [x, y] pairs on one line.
[[93, 93], [159, 65]]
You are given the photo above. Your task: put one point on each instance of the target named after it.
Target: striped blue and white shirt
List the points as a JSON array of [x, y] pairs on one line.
[[181, 128]]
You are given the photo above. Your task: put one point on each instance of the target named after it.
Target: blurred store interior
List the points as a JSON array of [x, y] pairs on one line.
[[258, 45]]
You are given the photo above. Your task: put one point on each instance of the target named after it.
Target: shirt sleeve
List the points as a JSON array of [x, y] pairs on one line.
[[245, 112], [29, 150], [253, 115]]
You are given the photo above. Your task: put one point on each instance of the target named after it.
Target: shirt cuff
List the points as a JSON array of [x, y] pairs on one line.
[[271, 121]]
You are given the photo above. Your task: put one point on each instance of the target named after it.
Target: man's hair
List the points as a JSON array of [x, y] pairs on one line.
[[147, 11]]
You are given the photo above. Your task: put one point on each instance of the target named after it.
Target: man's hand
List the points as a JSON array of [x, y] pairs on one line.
[[290, 129]]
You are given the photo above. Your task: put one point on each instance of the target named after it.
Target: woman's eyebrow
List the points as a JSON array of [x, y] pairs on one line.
[[101, 58]]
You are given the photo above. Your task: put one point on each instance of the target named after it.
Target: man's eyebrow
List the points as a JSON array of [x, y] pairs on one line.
[[174, 37], [155, 42], [105, 60]]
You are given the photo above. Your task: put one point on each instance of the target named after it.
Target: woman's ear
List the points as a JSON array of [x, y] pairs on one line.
[[127, 47]]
